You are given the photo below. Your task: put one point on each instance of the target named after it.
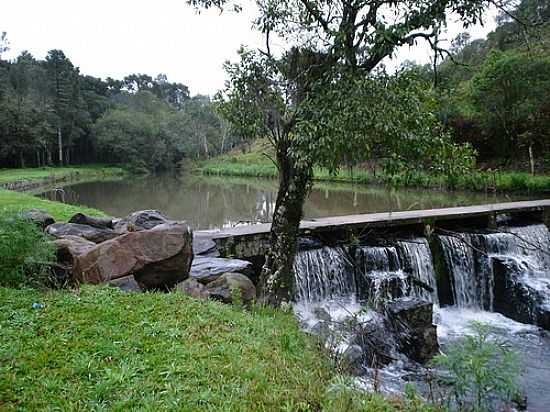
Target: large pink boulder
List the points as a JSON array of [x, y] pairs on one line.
[[158, 258]]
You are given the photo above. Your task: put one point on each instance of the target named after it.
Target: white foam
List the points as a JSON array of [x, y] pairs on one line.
[[453, 322]]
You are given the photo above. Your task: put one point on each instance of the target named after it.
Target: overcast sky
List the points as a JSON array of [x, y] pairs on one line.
[[118, 37]]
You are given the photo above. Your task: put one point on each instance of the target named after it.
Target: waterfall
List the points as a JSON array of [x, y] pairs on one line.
[[416, 258], [389, 272], [323, 274], [470, 259]]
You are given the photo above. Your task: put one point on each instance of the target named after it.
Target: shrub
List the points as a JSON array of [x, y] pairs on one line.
[[25, 254], [481, 370]]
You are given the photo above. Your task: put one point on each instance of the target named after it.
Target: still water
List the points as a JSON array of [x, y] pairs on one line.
[[214, 202]]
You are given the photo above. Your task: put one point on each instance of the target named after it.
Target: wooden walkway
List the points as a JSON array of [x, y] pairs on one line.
[[231, 238]]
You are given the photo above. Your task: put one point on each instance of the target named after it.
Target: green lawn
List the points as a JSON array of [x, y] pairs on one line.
[[30, 174], [17, 201], [102, 349]]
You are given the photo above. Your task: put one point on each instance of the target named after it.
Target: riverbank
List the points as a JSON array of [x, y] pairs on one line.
[[25, 179], [13, 182], [97, 347], [255, 164]]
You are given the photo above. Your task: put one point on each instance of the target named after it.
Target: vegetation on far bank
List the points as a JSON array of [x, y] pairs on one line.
[[254, 163], [44, 173]]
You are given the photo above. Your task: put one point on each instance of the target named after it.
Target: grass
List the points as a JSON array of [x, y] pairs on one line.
[[17, 201], [33, 174], [255, 164], [102, 349]]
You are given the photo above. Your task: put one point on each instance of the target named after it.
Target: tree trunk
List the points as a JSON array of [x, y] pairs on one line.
[[49, 157], [205, 142], [60, 145], [531, 159], [277, 280]]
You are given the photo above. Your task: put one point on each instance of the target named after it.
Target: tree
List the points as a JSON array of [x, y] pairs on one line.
[[62, 77], [509, 98], [297, 98], [4, 43]]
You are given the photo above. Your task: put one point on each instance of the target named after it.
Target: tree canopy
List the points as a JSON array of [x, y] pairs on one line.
[[52, 114]]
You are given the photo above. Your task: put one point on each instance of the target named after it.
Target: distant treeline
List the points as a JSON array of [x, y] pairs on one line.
[[495, 93], [51, 114]]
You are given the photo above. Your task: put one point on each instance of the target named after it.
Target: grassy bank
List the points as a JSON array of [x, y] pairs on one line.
[[15, 201], [102, 349], [18, 201], [54, 173], [255, 164]]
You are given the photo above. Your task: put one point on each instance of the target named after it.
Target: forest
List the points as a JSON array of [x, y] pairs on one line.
[[51, 114], [491, 94]]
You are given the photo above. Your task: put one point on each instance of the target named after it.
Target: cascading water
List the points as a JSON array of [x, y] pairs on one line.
[[514, 263], [391, 272], [507, 271], [322, 274], [416, 258]]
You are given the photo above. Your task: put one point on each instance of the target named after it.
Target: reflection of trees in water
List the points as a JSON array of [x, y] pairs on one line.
[[210, 203]]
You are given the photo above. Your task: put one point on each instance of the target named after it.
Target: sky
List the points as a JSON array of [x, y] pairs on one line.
[[114, 38]]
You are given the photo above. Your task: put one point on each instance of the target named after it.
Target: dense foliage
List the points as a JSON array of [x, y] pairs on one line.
[[51, 114], [25, 254], [323, 102], [493, 92]]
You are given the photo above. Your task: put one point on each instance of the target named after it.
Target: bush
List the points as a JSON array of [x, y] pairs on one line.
[[25, 254], [481, 370]]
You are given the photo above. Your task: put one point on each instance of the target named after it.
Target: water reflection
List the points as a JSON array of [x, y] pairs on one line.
[[213, 202]]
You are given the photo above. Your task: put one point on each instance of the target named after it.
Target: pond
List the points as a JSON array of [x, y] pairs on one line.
[[215, 202]]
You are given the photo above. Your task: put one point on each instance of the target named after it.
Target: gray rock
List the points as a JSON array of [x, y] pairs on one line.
[[140, 220], [228, 284], [309, 243], [99, 222], [39, 217], [126, 284], [515, 295], [193, 288], [93, 234], [412, 321], [207, 269], [204, 245], [353, 359]]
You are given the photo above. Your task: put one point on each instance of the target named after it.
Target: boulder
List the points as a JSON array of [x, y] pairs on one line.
[[140, 220], [520, 293], [93, 234], [226, 286], [193, 288], [99, 222], [352, 359], [309, 243], [204, 245], [126, 284], [39, 217], [158, 258], [207, 269], [70, 247], [412, 321]]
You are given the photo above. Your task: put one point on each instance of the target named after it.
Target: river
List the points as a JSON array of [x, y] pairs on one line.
[[214, 202]]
